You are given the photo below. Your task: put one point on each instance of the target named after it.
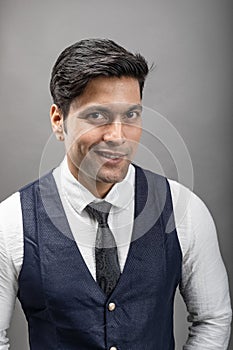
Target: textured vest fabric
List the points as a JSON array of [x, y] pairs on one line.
[[64, 306]]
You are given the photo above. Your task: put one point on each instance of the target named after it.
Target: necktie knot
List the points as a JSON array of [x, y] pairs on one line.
[[99, 211]]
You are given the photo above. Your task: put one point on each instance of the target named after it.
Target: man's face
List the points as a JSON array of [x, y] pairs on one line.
[[103, 129]]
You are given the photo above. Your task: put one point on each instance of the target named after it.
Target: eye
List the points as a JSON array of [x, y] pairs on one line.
[[96, 117], [133, 115]]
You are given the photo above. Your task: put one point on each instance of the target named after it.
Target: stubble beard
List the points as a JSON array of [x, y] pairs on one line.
[[112, 176]]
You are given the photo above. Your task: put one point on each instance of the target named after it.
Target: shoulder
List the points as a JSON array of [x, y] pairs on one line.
[[11, 231], [41, 181], [194, 223], [150, 175], [184, 200], [10, 210], [11, 224], [187, 202], [11, 234]]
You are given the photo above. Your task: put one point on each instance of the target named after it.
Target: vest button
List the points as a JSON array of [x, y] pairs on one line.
[[111, 307], [113, 348]]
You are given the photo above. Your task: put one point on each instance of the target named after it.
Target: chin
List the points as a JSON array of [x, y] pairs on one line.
[[112, 176]]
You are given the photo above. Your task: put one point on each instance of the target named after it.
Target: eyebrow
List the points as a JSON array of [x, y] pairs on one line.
[[138, 107]]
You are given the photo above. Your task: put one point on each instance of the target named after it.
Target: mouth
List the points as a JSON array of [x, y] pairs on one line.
[[111, 156]]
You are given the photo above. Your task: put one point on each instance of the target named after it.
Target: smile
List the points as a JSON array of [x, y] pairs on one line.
[[110, 155]]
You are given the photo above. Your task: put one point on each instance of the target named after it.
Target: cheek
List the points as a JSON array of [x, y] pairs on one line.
[[133, 134], [76, 135], [87, 139]]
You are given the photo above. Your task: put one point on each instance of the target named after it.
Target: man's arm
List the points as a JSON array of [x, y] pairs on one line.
[[204, 284], [11, 255]]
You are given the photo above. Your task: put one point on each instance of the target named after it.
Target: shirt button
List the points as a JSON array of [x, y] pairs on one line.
[[113, 348], [111, 307]]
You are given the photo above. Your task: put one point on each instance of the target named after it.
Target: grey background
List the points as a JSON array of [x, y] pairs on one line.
[[191, 43]]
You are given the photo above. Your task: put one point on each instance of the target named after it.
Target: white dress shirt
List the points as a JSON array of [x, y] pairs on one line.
[[204, 284]]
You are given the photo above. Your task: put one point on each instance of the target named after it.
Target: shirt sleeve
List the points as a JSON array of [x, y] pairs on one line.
[[204, 284], [11, 257]]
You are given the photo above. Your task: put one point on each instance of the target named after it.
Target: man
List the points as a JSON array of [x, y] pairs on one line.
[[91, 249]]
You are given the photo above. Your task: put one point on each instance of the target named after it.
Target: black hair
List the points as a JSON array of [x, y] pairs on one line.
[[88, 59]]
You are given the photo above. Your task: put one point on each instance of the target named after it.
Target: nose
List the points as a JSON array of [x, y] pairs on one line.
[[114, 133]]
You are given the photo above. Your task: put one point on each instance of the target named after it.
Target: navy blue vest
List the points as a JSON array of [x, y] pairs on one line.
[[64, 306]]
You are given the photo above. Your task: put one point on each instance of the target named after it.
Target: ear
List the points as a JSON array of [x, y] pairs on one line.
[[57, 122]]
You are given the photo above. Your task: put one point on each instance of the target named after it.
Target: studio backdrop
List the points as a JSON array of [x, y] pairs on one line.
[[187, 97]]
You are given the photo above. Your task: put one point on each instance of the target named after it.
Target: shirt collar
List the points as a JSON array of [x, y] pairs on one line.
[[120, 195]]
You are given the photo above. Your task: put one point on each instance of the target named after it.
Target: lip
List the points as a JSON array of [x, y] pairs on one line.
[[110, 156]]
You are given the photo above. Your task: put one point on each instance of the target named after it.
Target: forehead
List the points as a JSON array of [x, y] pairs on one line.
[[107, 90]]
